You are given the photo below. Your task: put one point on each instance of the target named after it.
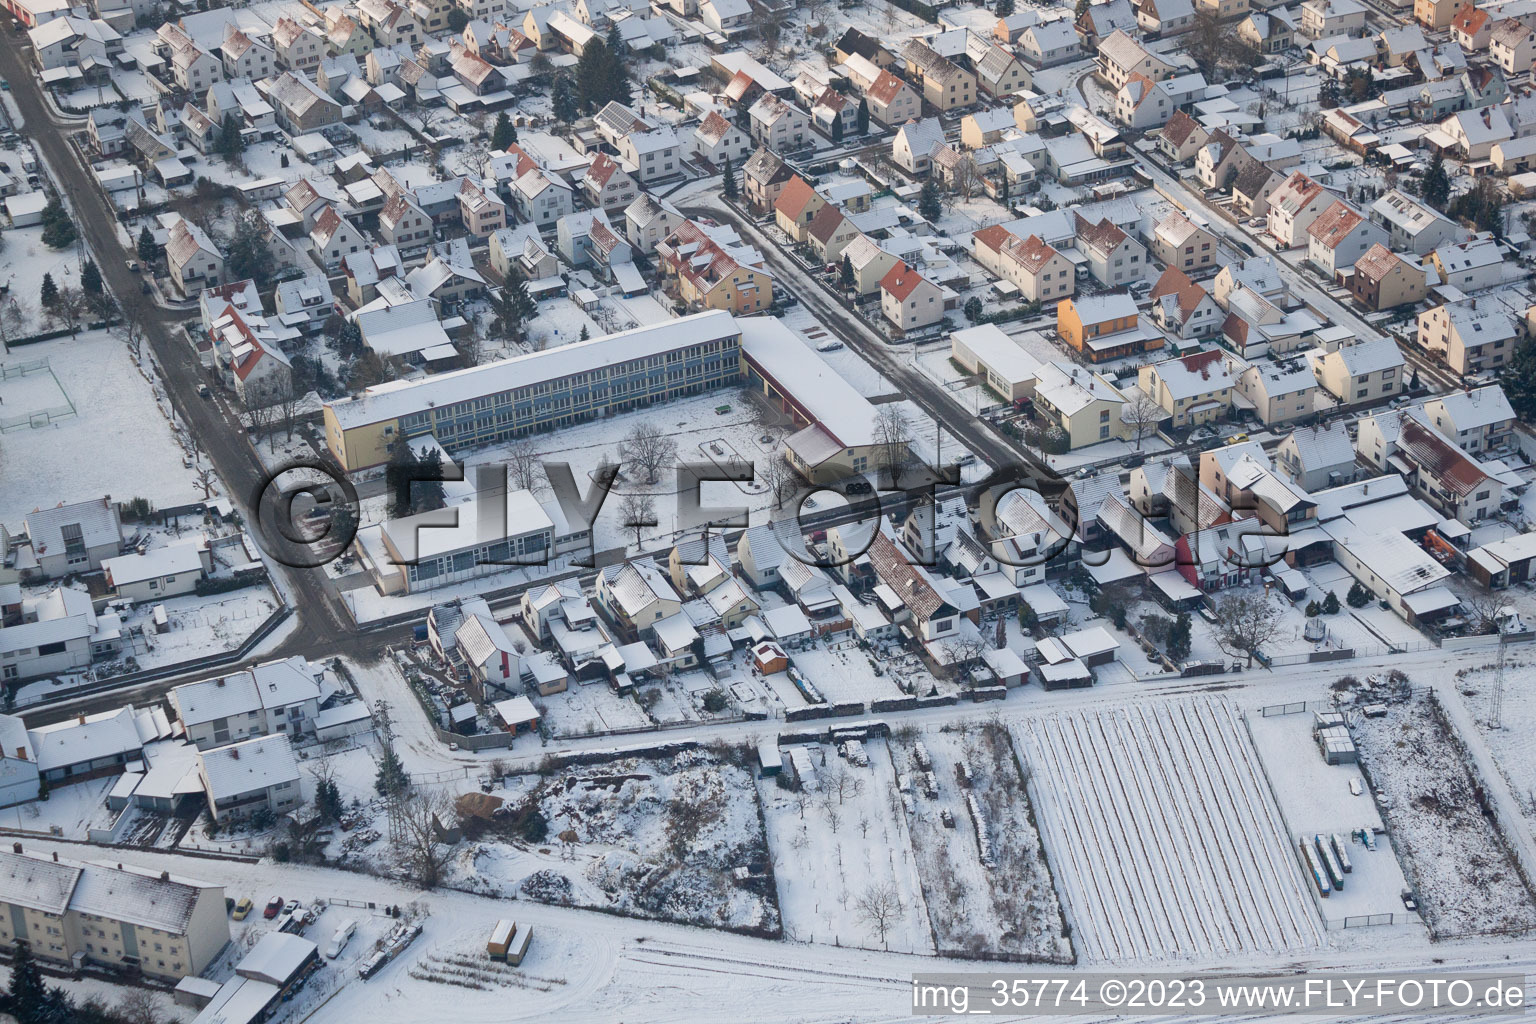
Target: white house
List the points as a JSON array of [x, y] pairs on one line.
[[275, 697], [247, 778]]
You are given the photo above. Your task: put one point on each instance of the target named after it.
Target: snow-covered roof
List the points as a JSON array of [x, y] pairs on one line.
[[247, 766], [139, 896], [171, 560]]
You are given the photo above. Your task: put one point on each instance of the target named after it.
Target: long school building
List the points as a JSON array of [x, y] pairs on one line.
[[540, 391]]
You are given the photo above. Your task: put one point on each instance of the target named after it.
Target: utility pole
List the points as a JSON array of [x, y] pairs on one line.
[[1496, 713]]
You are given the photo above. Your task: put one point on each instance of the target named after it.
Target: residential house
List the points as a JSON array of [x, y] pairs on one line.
[[910, 301], [714, 270], [1165, 17], [1471, 340], [162, 926], [1120, 56], [1280, 391], [1183, 307], [765, 177], [1449, 479], [1413, 225], [829, 233], [1322, 19], [1266, 33], [797, 204], [1293, 206], [301, 106], [1339, 237], [914, 143], [1115, 258], [1512, 46], [717, 140], [1317, 457], [945, 84], [1182, 244], [1385, 280], [1000, 73], [648, 220], [255, 776], [404, 225], [296, 47], [1480, 419], [1192, 389], [1102, 327], [541, 199], [333, 237], [1470, 266], [870, 264], [482, 211], [1048, 44], [1363, 372], [191, 257], [1084, 405], [1041, 273], [779, 125], [275, 697], [1181, 138]]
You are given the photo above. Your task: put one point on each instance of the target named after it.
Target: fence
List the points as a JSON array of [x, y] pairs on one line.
[[1334, 924], [1275, 710]]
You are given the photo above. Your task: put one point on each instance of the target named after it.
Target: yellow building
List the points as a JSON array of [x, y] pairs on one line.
[[539, 391], [1085, 406], [168, 928], [705, 276], [1103, 326]]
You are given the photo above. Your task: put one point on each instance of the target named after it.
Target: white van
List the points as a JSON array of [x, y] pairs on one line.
[[340, 939]]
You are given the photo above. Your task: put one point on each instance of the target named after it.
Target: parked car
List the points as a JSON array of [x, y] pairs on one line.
[[243, 908], [340, 938], [274, 907]]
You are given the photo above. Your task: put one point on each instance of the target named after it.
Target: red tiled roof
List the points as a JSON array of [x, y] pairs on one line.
[[900, 281]]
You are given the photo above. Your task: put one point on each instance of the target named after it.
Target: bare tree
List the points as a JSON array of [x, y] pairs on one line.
[[207, 479], [879, 907], [263, 417], [419, 845], [637, 511], [524, 470], [779, 477], [769, 25], [832, 811], [1482, 610], [966, 177], [844, 782], [101, 306], [139, 1006], [130, 325], [1143, 414], [286, 399], [1245, 624], [472, 347], [68, 310], [14, 319], [959, 653], [649, 447], [477, 157], [893, 438]]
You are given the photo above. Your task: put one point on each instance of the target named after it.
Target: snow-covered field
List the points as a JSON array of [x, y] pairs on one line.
[[1460, 866], [834, 843], [119, 442], [1005, 905], [1163, 837]]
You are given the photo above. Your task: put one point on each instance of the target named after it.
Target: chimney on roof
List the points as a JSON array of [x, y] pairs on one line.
[[15, 847], [165, 876], [234, 753], [21, 753], [82, 717], [55, 856]]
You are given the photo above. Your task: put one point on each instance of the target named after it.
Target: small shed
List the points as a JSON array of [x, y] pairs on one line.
[[518, 715], [501, 939], [1007, 666], [769, 658], [462, 717], [1094, 645], [769, 760], [1062, 675]]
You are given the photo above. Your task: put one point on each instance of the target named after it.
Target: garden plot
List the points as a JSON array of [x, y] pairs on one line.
[[679, 839], [839, 841], [1315, 797], [1000, 902], [589, 709], [1454, 855], [1514, 745], [843, 672], [83, 456], [1164, 840]]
